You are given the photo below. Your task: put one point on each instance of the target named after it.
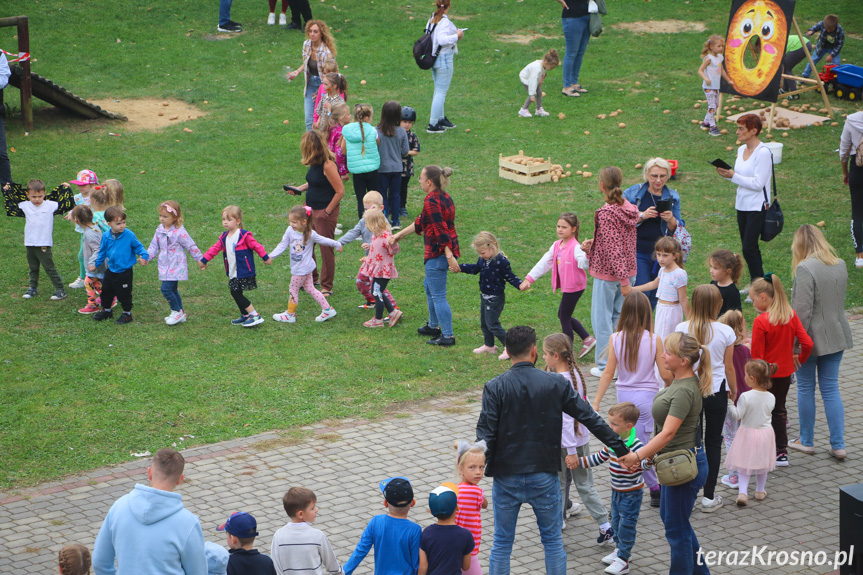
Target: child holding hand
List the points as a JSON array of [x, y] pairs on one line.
[[470, 468], [85, 182], [82, 216], [710, 70], [379, 265], [532, 76]]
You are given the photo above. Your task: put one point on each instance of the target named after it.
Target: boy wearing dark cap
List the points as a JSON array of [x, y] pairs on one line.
[[396, 538], [445, 547], [242, 529]]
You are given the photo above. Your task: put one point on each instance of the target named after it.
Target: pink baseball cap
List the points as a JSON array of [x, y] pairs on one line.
[[85, 177]]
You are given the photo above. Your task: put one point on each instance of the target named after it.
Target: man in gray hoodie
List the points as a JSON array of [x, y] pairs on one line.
[[148, 530]]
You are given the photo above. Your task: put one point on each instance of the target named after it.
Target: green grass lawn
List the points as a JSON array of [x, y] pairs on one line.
[[78, 395]]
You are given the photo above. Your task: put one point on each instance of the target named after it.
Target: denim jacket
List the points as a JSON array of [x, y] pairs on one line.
[[633, 195]]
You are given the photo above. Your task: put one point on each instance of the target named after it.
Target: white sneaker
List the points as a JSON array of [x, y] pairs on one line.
[[711, 505], [77, 284], [283, 21], [524, 113], [618, 567], [609, 559], [285, 317], [745, 290], [541, 112], [271, 19], [326, 314], [175, 318], [747, 300], [596, 372], [574, 510], [858, 262]]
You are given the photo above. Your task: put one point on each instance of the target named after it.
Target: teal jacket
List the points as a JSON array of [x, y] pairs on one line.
[[359, 162]]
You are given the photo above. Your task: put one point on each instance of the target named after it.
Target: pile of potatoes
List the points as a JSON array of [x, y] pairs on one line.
[[523, 160], [558, 172]]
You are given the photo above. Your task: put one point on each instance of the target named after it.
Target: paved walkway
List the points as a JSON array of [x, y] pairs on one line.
[[343, 464]]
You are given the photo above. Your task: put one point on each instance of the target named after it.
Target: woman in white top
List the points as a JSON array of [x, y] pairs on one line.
[[852, 176], [444, 43], [719, 339], [752, 173]]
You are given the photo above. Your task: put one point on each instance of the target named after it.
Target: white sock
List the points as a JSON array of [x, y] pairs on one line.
[[604, 527]]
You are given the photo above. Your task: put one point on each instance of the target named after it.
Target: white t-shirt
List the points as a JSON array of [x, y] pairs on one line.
[[39, 226], [712, 72], [723, 337], [231, 252]]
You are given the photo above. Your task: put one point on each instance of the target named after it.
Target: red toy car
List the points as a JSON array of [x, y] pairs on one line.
[[828, 77]]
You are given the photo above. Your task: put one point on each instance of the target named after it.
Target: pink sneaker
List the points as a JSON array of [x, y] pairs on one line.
[[88, 309], [374, 323], [588, 345], [503, 356], [485, 349]]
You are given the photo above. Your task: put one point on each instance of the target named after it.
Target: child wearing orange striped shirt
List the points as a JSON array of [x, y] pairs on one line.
[[470, 468]]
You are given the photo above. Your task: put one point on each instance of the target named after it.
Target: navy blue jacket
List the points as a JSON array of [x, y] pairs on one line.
[[493, 274]]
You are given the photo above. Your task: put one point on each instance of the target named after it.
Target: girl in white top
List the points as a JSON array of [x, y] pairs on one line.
[[445, 39], [754, 449], [670, 286], [532, 76], [710, 70], [302, 239], [719, 339]]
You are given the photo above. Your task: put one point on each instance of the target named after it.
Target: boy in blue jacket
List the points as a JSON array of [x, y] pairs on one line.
[[119, 246]]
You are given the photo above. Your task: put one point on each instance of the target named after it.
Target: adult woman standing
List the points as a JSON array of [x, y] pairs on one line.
[[753, 172], [653, 222], [576, 34], [676, 415], [852, 176], [318, 48], [436, 223], [611, 252], [324, 190], [445, 44], [818, 298]]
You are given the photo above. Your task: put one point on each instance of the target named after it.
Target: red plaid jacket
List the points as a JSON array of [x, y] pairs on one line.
[[437, 225]]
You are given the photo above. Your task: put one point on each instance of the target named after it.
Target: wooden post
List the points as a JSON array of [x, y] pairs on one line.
[[26, 88], [770, 118]]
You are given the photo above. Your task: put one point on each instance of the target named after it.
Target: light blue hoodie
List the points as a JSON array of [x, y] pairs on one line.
[[150, 533]]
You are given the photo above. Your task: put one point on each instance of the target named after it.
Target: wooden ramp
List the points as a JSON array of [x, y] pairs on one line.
[[57, 95]]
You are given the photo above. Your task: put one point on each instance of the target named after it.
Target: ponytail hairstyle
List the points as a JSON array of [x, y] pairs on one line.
[[485, 240], [560, 344], [707, 43], [780, 311], [686, 347], [172, 208], [115, 192], [441, 6], [340, 82], [101, 198], [728, 260], [74, 559], [438, 176], [572, 219], [391, 118], [551, 60], [668, 245], [376, 222], [635, 319], [761, 372], [303, 214], [734, 319], [612, 177], [82, 214], [463, 449], [333, 119], [363, 113], [705, 303]]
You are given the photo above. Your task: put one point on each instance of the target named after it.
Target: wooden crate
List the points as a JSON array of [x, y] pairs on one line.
[[532, 173]]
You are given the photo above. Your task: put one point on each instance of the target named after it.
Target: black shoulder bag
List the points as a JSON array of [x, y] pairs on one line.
[[773, 218]]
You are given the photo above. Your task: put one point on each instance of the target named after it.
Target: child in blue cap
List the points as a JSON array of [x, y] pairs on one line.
[[241, 529]]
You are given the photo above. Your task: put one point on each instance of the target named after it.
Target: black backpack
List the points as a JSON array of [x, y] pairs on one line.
[[423, 49]]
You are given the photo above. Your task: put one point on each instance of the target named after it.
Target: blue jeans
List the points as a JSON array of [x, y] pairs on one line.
[[542, 492], [646, 274], [309, 100], [605, 304], [817, 56], [442, 74], [675, 508], [625, 507], [440, 313], [224, 11], [169, 290], [828, 382], [390, 187], [576, 34]]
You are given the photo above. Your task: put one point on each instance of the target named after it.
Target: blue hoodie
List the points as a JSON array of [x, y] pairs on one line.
[[150, 533], [120, 251]]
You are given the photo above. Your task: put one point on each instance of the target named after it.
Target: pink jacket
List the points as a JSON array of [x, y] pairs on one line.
[[247, 247], [567, 267], [380, 263], [170, 245], [318, 96], [612, 255]]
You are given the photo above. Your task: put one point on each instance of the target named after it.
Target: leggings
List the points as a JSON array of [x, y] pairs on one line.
[[714, 408], [365, 182], [712, 105], [538, 97], [94, 290], [364, 286], [475, 567], [242, 301], [403, 198], [273, 6], [855, 185], [564, 313], [743, 482], [82, 271], [379, 285], [305, 282], [780, 414]]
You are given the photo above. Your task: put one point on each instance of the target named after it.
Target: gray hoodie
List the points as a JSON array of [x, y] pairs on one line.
[[851, 136]]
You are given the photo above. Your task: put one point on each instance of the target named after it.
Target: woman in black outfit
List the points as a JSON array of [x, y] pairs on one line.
[[852, 176]]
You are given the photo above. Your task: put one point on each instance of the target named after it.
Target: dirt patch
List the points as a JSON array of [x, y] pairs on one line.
[[221, 36], [522, 38], [151, 113], [451, 17], [661, 26]]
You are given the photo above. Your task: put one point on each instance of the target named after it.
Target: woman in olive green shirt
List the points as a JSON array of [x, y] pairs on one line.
[[676, 416]]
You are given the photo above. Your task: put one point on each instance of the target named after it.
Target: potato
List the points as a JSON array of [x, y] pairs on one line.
[[621, 125], [250, 109], [584, 166], [285, 122], [770, 136], [784, 134], [723, 131], [729, 148], [554, 178], [586, 174], [695, 121], [637, 83], [741, 109], [612, 115], [362, 82], [696, 105], [579, 172], [619, 111], [562, 116], [467, 130], [638, 166], [568, 174], [586, 133], [834, 124], [656, 99], [666, 111], [821, 224], [569, 165]]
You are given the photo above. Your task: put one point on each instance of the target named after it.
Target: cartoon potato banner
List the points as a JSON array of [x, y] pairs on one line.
[[761, 28]]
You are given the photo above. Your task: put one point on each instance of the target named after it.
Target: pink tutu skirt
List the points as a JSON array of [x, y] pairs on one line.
[[753, 451]]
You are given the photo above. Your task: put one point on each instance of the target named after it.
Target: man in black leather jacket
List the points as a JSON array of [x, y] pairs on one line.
[[521, 421]]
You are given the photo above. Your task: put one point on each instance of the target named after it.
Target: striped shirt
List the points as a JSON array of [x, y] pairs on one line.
[[468, 513], [669, 282], [621, 478]]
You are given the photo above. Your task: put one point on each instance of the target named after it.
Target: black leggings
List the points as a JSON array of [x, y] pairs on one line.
[[242, 301], [714, 408], [750, 225], [363, 183], [404, 197], [855, 184], [564, 313], [790, 60], [379, 286]]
